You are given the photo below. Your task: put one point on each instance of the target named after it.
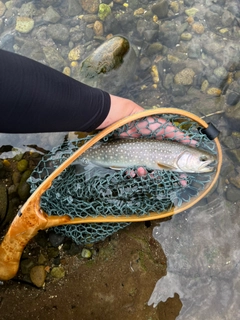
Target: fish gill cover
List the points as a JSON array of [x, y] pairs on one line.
[[93, 190]]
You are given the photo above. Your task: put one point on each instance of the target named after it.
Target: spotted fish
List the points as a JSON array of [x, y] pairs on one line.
[[150, 153]]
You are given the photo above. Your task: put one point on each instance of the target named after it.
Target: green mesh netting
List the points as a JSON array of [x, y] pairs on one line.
[[92, 191]]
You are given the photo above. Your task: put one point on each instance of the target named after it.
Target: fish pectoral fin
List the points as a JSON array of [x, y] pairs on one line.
[[116, 168], [165, 166]]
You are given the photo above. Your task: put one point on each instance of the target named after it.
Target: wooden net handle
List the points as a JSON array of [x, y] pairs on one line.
[[31, 218]]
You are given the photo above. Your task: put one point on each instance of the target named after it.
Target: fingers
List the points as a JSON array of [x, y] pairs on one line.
[[158, 128]]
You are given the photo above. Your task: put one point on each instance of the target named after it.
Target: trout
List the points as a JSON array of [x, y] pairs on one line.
[[150, 153]]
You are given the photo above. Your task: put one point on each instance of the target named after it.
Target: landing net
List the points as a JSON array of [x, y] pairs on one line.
[[96, 191]]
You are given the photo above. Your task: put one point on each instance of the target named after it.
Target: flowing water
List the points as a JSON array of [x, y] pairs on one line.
[[188, 57]]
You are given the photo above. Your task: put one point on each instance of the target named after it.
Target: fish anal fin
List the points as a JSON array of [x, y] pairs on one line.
[[116, 168], [165, 166]]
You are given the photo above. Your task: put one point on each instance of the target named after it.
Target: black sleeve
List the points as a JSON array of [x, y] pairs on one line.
[[37, 98]]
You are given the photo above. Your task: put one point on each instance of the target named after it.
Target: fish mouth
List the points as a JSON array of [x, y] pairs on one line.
[[208, 166]]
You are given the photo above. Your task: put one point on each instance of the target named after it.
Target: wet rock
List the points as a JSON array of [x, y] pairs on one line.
[[191, 12], [3, 202], [232, 194], [22, 165], [150, 35], [233, 116], [58, 272], [221, 72], [235, 181], [168, 34], [145, 63], [26, 265], [75, 53], [55, 239], [227, 18], [233, 98], [168, 81], [186, 36], [53, 252], [28, 10], [98, 28], [154, 48], [204, 86], [90, 6], [24, 24], [104, 11], [58, 32], [74, 8], [175, 6], [184, 77], [234, 9], [178, 90], [160, 9], [24, 191], [86, 253], [51, 15], [214, 92], [54, 58], [198, 28], [109, 66], [38, 276], [2, 8], [212, 20], [194, 51]]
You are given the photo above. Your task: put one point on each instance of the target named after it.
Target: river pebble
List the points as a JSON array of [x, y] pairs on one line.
[[57, 272], [51, 15], [184, 77], [38, 276], [2, 8], [160, 9], [24, 24], [90, 6]]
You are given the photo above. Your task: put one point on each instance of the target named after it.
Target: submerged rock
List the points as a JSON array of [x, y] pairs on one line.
[[110, 66]]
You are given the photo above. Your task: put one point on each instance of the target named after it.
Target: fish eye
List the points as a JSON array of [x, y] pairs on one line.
[[203, 158]]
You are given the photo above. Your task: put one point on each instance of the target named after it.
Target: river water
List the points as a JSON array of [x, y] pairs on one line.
[[188, 57]]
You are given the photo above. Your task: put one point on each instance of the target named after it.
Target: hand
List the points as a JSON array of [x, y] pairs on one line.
[[159, 128]]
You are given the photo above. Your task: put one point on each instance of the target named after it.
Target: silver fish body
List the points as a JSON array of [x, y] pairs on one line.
[[150, 153]]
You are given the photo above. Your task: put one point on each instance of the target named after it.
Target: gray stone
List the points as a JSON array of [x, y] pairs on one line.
[[194, 51], [58, 32], [233, 98], [51, 15], [233, 116], [212, 20], [232, 194], [216, 9], [145, 63], [28, 10], [154, 48], [74, 8], [53, 58], [160, 9], [227, 18], [168, 81], [221, 72], [55, 239]]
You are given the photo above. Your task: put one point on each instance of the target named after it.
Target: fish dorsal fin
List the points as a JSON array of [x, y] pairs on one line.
[[165, 166]]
